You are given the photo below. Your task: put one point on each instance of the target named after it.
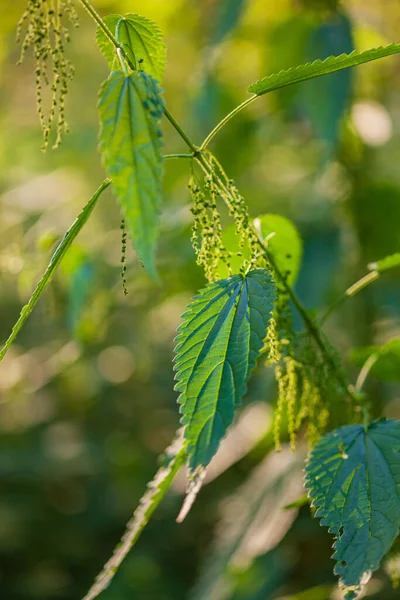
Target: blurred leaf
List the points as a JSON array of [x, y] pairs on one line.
[[285, 244], [230, 12], [353, 476], [79, 271], [325, 100], [319, 68], [389, 262], [131, 143], [218, 345], [387, 365], [370, 205], [141, 38], [253, 522]]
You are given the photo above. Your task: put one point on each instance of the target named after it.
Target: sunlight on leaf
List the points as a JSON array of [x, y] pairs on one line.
[[218, 344]]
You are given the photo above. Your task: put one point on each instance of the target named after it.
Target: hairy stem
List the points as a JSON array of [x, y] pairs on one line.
[[54, 262], [225, 120]]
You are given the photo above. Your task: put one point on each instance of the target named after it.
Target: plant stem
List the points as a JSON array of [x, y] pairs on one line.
[[100, 23], [351, 291], [184, 136], [369, 363], [178, 156], [225, 120], [54, 262]]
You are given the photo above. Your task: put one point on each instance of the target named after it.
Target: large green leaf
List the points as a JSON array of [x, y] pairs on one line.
[[353, 477], [319, 68], [218, 345], [131, 143], [281, 237], [141, 39], [387, 364]]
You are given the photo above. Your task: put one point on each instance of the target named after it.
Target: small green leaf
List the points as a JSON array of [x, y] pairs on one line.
[[353, 477], [141, 39], [387, 263], [283, 241], [131, 142], [319, 68], [218, 344], [387, 365]]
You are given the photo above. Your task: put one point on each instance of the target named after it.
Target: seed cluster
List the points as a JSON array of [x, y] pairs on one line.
[[238, 210], [123, 256], [47, 35], [207, 231]]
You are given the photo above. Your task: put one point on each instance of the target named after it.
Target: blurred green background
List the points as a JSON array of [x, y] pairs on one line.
[[86, 393]]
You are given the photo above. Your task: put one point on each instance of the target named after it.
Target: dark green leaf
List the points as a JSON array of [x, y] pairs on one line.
[[131, 143], [319, 68], [141, 39], [387, 365], [353, 477], [218, 345]]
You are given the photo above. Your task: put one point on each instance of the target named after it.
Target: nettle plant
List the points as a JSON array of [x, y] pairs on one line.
[[244, 313]]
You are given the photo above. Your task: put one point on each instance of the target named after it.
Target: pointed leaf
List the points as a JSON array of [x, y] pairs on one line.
[[218, 344], [353, 477], [131, 143], [141, 38], [319, 68]]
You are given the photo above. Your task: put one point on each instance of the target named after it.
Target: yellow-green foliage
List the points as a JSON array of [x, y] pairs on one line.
[[46, 34]]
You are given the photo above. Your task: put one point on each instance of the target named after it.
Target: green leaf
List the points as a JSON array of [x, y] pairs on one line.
[[131, 142], [218, 345], [387, 365], [319, 68], [284, 243], [141, 39], [387, 263], [173, 459], [353, 477]]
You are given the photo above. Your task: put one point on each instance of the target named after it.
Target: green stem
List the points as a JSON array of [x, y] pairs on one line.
[[365, 371], [100, 23], [54, 262], [225, 120], [351, 291], [178, 156], [183, 135]]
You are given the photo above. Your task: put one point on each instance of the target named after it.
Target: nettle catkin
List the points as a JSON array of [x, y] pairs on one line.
[[45, 32]]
